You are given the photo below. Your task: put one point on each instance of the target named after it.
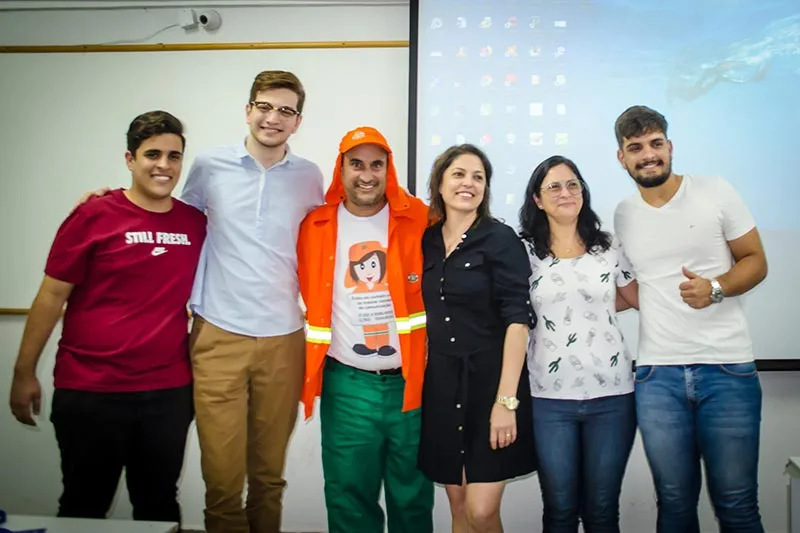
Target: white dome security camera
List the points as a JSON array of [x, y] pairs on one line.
[[209, 20]]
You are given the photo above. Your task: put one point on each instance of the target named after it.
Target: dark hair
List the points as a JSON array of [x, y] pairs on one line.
[[278, 79], [533, 221], [638, 120], [442, 163], [151, 124]]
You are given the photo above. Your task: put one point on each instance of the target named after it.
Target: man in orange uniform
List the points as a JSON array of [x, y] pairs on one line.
[[360, 267]]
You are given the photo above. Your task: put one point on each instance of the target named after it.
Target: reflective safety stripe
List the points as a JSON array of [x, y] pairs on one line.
[[318, 335], [415, 321]]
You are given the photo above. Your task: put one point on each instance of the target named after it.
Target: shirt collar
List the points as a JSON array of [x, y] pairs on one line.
[[242, 153]]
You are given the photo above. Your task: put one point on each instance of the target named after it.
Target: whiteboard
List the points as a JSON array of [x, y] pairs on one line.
[[64, 118]]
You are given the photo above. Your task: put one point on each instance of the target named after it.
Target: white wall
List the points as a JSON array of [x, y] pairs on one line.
[[29, 471]]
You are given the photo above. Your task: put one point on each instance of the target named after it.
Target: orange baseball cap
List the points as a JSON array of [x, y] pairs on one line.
[[363, 135]]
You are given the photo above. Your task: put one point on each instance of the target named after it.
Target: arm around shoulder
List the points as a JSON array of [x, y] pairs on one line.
[[194, 188], [511, 273]]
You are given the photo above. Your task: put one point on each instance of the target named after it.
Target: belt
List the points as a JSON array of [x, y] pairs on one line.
[[3, 517], [384, 372]]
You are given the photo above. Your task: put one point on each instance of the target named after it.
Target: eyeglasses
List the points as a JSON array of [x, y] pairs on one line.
[[554, 188], [283, 111]]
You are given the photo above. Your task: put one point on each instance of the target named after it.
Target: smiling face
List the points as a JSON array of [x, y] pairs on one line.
[[273, 116], [463, 184], [156, 166], [560, 195], [364, 179], [369, 270], [647, 158]]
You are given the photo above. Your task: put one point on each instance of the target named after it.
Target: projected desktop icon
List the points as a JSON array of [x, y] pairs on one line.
[[511, 80], [486, 80], [486, 110], [461, 22], [460, 110], [460, 139], [436, 23], [536, 109], [511, 23], [435, 111], [535, 51], [561, 139], [535, 79], [536, 138], [534, 23], [560, 24], [561, 109], [511, 51], [511, 138], [486, 51], [436, 140], [486, 139], [511, 170], [462, 52], [511, 109], [560, 80], [486, 22], [560, 51]]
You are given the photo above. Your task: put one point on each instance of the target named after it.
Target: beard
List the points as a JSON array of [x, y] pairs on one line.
[[652, 181]]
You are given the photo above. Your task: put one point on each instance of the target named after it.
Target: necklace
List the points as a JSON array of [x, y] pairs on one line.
[[452, 242], [572, 247]]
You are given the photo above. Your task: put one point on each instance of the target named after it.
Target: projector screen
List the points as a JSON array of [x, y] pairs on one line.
[[525, 80]]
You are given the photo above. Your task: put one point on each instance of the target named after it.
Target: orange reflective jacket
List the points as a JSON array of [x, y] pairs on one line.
[[316, 253]]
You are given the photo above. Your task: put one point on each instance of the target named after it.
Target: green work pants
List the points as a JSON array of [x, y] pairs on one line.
[[367, 440]]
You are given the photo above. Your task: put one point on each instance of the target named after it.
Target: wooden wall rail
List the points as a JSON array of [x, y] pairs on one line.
[[14, 311], [194, 47]]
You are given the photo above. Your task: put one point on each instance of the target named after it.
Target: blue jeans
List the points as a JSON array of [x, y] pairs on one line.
[[708, 411], [583, 448]]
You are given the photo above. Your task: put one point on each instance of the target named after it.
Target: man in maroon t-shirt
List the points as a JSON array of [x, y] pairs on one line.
[[124, 265]]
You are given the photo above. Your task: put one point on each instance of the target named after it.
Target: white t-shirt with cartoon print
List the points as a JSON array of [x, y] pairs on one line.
[[363, 327], [577, 351]]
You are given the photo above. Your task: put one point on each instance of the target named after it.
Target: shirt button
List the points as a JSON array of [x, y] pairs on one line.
[[442, 298], [327, 284], [441, 280], [458, 406], [462, 452], [330, 258], [447, 319], [452, 339], [459, 427], [466, 264], [464, 236]]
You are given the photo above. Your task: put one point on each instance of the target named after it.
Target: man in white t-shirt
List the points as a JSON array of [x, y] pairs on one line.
[[360, 271], [695, 249]]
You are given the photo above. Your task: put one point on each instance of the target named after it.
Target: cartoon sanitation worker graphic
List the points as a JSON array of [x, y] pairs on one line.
[[371, 301]]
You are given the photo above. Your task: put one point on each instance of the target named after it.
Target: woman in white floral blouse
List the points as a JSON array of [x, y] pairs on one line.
[[581, 373]]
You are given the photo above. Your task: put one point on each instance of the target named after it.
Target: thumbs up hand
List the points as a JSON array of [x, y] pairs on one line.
[[696, 290]]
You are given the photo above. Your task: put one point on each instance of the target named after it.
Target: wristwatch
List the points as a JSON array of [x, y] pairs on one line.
[[716, 292], [509, 402]]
